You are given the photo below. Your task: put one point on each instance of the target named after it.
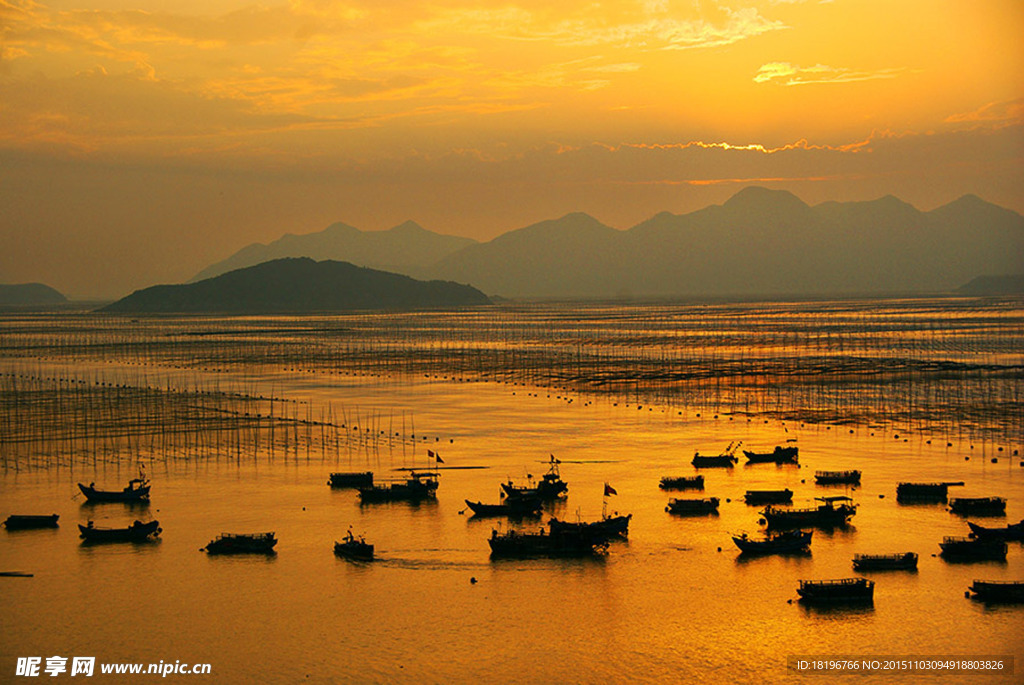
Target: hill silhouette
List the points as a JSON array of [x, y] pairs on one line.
[[299, 285], [993, 286], [28, 294], [759, 242], [403, 249]]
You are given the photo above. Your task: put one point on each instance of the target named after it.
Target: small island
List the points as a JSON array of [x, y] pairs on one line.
[[29, 294], [299, 285]]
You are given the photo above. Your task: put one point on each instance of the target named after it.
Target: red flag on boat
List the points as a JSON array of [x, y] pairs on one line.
[[609, 490], [430, 453]]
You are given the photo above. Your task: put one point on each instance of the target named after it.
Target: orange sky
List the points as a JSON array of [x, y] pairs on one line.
[[141, 141]]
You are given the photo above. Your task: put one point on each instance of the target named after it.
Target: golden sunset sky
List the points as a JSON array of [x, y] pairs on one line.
[[141, 141]]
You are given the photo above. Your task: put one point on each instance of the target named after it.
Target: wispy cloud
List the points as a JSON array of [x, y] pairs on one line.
[[658, 30], [787, 74], [752, 147], [1008, 113]]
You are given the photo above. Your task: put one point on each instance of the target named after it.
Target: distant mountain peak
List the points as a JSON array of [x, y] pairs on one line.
[[757, 198], [406, 247]]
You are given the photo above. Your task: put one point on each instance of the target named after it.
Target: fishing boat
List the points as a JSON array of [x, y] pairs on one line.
[[827, 514], [775, 543], [416, 488], [692, 507], [726, 458], [973, 549], [352, 547], [923, 492], [682, 483], [839, 591], [242, 543], [906, 561], [780, 455], [351, 479], [136, 532], [29, 521], [998, 590], [1014, 531], [551, 485], [520, 544], [978, 506], [137, 490], [606, 528], [768, 496], [512, 506], [837, 477]]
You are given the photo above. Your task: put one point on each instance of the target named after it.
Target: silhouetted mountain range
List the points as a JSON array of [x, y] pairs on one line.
[[993, 285], [26, 294], [299, 285], [759, 242], [402, 249]]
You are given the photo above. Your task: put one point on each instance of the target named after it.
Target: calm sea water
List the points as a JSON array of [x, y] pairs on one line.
[[674, 603]]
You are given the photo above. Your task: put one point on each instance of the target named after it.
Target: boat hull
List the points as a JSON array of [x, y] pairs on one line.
[[358, 551], [137, 532], [841, 591], [783, 543], [885, 562], [682, 483], [245, 543], [998, 591], [29, 521], [351, 479], [138, 494]]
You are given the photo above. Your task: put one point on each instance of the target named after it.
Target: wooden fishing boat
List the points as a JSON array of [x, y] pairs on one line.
[[29, 521], [923, 492], [839, 591], [978, 506], [780, 455], [775, 543], [973, 549], [136, 532], [352, 547], [837, 477], [351, 479], [827, 514], [998, 590], [906, 561], [692, 507], [137, 490], [768, 496], [242, 543], [512, 507], [682, 483], [1013, 531], [551, 485], [519, 544], [416, 488], [726, 458], [606, 528]]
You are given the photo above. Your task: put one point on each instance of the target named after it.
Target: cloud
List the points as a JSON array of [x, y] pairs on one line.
[[657, 31], [1008, 113], [787, 74]]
